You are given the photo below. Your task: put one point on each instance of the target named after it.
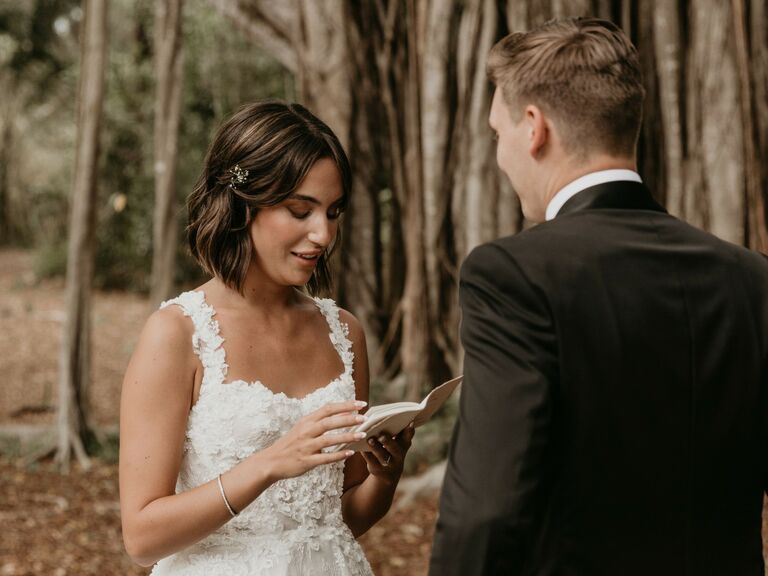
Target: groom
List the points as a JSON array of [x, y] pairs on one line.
[[614, 416]]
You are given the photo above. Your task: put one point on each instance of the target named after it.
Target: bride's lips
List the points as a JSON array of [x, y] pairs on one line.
[[308, 259]]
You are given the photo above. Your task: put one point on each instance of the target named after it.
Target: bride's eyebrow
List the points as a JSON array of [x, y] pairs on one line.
[[312, 199]]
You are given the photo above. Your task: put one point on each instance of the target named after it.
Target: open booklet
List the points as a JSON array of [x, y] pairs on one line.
[[393, 418]]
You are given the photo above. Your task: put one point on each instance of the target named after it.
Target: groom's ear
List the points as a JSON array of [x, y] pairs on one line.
[[538, 130]]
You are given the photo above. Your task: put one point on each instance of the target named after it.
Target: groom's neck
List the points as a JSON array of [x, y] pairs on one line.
[[568, 169]]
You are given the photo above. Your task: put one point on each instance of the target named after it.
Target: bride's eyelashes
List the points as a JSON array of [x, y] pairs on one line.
[[333, 214]]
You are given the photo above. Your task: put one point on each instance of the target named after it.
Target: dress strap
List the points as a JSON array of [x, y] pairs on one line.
[[339, 333], [206, 341]]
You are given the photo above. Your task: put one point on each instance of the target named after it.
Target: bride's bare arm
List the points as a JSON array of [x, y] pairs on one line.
[[156, 399], [369, 485]]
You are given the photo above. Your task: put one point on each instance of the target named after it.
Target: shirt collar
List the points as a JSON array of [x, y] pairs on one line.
[[587, 181]]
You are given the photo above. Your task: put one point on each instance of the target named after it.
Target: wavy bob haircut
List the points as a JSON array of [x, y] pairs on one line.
[[277, 143]]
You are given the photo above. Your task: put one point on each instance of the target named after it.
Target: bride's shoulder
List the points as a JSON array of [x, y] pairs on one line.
[[168, 329], [346, 317], [163, 361], [354, 330]]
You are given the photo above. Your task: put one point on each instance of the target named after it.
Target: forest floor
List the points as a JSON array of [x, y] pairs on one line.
[[58, 525]]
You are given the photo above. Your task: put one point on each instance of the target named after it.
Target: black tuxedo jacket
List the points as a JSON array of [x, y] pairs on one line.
[[614, 411]]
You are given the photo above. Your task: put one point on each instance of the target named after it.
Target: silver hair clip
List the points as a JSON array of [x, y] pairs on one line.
[[239, 176]]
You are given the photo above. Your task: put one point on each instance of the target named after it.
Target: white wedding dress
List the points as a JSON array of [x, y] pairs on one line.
[[295, 527]]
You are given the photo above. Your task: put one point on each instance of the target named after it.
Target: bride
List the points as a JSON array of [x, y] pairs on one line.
[[237, 390]]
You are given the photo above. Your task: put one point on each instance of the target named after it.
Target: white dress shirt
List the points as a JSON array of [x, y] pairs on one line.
[[587, 181]]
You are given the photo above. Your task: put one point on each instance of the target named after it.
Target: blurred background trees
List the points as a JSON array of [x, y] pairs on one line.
[[402, 82], [39, 70], [168, 77], [74, 423]]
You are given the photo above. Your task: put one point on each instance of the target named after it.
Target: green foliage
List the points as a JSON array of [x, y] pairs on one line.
[[222, 70], [37, 49], [50, 260], [106, 448], [124, 233], [32, 44]]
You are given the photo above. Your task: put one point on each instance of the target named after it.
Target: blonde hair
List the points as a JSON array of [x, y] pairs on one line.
[[584, 73]]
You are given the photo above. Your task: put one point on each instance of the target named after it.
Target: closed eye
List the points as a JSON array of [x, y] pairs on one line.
[[333, 214]]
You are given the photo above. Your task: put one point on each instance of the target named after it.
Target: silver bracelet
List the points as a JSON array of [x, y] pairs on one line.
[[224, 496]]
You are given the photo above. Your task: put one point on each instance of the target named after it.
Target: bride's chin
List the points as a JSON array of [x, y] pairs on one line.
[[298, 279]]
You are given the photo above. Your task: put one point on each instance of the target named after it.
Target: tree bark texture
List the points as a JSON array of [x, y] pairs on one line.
[[168, 66], [74, 425], [6, 147], [403, 83]]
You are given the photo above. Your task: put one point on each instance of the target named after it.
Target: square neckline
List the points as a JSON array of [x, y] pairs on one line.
[[258, 383]]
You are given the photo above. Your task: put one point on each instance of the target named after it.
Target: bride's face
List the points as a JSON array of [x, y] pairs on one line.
[[289, 238]]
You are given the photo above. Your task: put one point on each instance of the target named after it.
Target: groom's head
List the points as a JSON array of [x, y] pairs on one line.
[[568, 99]]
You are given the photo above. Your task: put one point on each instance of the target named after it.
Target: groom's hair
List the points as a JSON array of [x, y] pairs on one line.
[[582, 72]]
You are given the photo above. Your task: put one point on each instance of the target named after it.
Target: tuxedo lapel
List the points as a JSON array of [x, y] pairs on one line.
[[621, 195]]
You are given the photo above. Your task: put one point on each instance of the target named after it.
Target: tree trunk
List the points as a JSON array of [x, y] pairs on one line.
[[362, 275], [74, 370], [714, 194], [168, 66], [756, 233], [415, 354], [667, 44], [6, 143], [758, 34], [434, 47], [480, 182], [322, 70], [271, 24]]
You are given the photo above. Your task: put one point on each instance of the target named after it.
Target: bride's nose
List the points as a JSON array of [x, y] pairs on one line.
[[322, 231]]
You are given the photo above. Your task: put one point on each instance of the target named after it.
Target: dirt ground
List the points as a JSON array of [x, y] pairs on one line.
[[65, 525], [31, 318], [70, 525]]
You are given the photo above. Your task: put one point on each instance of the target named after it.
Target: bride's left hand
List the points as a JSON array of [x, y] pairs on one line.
[[387, 456]]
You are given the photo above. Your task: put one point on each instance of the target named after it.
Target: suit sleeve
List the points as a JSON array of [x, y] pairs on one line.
[[492, 492]]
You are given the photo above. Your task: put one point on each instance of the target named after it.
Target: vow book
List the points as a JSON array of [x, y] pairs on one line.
[[392, 418]]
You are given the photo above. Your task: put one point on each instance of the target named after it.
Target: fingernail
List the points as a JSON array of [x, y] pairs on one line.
[[349, 453], [360, 418], [371, 441], [359, 435], [360, 403], [382, 439]]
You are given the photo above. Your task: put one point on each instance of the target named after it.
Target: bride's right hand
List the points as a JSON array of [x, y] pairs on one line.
[[301, 448]]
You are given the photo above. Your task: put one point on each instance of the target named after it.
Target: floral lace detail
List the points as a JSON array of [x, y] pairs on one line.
[[339, 333], [206, 341], [294, 527]]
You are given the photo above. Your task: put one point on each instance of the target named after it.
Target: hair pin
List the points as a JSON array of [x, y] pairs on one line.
[[239, 176]]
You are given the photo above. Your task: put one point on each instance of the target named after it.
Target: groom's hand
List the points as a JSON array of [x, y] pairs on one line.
[[387, 456]]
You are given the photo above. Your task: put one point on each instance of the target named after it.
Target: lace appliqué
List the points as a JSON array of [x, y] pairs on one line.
[[294, 527]]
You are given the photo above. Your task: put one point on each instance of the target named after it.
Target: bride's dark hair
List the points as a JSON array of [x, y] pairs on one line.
[[277, 143]]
